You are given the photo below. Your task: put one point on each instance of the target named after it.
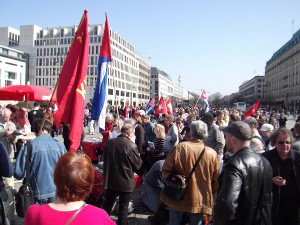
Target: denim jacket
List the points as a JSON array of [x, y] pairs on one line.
[[44, 155]]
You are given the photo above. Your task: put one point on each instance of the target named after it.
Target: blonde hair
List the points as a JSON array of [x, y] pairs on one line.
[[160, 129]]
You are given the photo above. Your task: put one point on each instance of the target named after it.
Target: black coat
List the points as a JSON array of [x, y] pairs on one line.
[[139, 137], [121, 159], [245, 186], [287, 197]]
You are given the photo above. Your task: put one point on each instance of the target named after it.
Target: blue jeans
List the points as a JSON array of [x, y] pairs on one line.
[[175, 218], [44, 201]]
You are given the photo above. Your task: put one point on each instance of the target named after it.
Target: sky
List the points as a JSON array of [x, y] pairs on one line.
[[211, 44]]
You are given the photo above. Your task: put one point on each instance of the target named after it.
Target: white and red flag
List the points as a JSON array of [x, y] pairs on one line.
[[161, 107], [169, 106]]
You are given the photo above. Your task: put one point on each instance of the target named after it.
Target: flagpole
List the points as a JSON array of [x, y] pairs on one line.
[[197, 102], [116, 104]]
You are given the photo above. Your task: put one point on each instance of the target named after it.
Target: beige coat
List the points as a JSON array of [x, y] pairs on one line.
[[199, 196]]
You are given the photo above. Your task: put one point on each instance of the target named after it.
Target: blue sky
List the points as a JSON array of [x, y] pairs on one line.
[[216, 45]]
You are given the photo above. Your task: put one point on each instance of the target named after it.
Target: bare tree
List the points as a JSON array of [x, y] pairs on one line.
[[216, 99]]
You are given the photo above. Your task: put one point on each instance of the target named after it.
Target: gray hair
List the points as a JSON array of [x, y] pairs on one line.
[[110, 117], [6, 110], [127, 128], [251, 121], [199, 130]]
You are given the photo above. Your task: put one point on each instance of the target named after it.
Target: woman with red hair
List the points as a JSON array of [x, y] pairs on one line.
[[73, 177]]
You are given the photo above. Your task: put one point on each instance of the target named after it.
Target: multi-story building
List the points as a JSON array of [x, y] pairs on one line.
[[144, 81], [161, 83], [253, 89], [128, 78], [13, 67], [282, 76], [180, 95]]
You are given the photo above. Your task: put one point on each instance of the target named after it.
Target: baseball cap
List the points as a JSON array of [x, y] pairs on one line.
[[239, 129], [266, 127], [139, 112]]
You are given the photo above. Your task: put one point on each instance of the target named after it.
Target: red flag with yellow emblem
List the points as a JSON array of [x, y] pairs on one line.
[[71, 87]]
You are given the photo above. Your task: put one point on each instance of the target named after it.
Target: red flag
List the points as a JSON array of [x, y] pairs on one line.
[[72, 84], [169, 106], [126, 111], [251, 111], [161, 107]]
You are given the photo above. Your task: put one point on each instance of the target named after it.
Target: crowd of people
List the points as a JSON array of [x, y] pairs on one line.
[[249, 172]]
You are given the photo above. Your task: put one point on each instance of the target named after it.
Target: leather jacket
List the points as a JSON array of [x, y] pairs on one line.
[[245, 191], [121, 159], [278, 169]]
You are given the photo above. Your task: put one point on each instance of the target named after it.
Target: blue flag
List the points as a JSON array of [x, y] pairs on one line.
[[100, 95]]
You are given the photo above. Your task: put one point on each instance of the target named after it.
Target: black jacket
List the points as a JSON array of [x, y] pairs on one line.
[[244, 195], [121, 159], [293, 182]]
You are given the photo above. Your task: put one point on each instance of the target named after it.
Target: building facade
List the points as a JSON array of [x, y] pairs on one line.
[[13, 67], [252, 90], [282, 76], [161, 83], [129, 74]]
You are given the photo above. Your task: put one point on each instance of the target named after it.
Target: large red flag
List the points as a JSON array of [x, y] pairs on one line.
[[251, 111], [161, 107], [72, 84], [169, 106]]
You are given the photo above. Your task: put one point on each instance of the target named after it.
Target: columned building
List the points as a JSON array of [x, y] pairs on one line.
[[48, 47], [252, 90], [282, 76]]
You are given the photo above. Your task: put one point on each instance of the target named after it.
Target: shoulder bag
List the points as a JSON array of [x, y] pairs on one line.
[[75, 214], [175, 184], [25, 196]]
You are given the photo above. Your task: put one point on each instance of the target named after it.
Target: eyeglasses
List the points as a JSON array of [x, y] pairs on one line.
[[284, 142]]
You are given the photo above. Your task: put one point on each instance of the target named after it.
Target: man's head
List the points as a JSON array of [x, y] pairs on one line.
[[237, 135], [199, 130], [220, 115], [252, 122], [266, 129], [128, 130], [37, 124], [208, 118], [191, 118], [36, 105], [168, 119], [6, 114]]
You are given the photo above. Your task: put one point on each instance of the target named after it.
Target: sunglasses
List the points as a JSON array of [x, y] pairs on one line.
[[284, 142]]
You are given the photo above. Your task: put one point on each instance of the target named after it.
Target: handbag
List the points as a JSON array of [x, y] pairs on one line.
[[175, 184], [25, 196]]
